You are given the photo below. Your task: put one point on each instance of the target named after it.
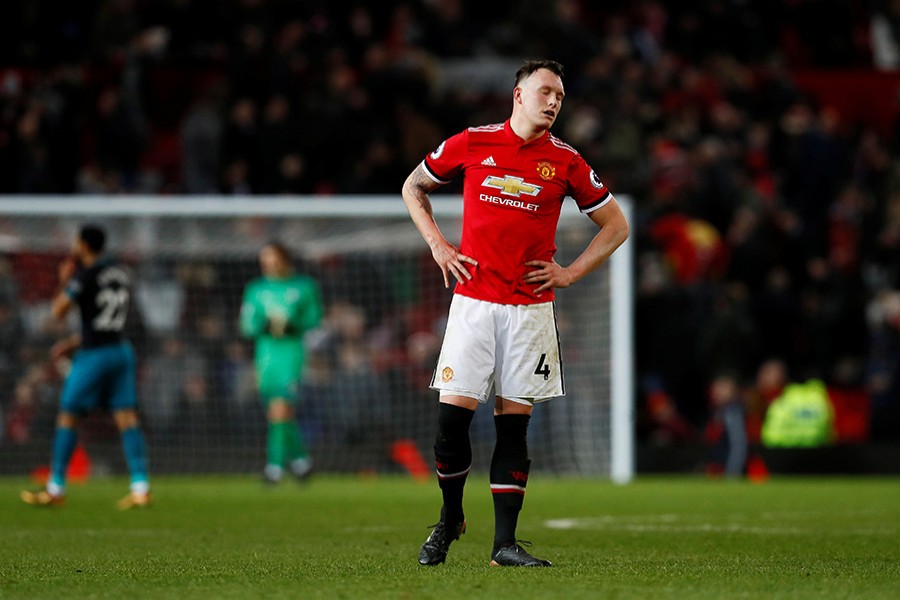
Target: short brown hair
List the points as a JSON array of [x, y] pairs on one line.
[[531, 66], [281, 250]]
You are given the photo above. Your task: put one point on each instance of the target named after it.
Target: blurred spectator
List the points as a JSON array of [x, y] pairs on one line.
[[121, 137], [659, 420], [160, 298], [197, 408], [362, 410], [12, 332], [729, 341], [164, 385], [201, 140], [241, 141], [452, 32], [885, 34], [22, 409], [726, 434], [237, 377], [9, 288], [801, 417], [12, 328], [30, 412], [883, 368], [199, 282], [693, 247], [359, 411], [770, 380]]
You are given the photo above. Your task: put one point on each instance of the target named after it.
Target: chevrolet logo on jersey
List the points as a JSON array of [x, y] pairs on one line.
[[512, 186]]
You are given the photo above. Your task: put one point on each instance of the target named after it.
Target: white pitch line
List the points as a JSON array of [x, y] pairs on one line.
[[668, 524]]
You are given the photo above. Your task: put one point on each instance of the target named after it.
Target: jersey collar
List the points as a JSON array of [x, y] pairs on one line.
[[514, 137]]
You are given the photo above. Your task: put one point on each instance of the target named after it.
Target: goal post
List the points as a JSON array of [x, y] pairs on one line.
[[364, 404]]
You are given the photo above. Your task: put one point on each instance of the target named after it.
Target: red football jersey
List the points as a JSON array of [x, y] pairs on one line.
[[512, 197]]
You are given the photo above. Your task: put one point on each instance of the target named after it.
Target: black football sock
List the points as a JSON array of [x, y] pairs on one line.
[[509, 475], [453, 457]]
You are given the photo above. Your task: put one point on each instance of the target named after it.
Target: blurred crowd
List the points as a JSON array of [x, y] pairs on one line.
[[767, 219]]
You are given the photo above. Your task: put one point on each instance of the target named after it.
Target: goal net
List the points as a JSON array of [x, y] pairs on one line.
[[364, 402]]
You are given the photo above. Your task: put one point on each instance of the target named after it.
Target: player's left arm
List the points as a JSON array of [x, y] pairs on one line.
[[613, 232], [311, 314], [307, 313]]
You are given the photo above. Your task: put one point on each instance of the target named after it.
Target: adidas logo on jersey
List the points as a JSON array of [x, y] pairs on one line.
[[489, 161]]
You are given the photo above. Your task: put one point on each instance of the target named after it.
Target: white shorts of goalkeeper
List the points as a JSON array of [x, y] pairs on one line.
[[508, 348]]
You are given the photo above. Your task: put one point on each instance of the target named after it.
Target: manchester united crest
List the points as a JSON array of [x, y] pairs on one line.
[[446, 374], [546, 170]]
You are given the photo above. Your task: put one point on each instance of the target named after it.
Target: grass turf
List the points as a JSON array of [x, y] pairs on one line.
[[354, 537]]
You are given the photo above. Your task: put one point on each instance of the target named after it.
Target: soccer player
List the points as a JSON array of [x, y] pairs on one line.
[[103, 365], [277, 310], [501, 334]]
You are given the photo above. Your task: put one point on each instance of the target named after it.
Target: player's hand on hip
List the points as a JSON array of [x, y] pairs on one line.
[[451, 260], [548, 275], [59, 350], [64, 348]]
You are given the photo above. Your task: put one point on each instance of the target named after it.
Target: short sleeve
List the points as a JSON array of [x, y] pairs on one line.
[[585, 186], [447, 160], [75, 285]]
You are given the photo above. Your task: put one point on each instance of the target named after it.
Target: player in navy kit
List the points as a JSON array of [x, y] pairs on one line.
[[103, 367]]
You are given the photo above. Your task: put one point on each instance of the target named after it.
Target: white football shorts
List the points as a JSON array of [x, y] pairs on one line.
[[511, 348]]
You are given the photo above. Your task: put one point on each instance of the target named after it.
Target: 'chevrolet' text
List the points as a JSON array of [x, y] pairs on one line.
[[508, 202]]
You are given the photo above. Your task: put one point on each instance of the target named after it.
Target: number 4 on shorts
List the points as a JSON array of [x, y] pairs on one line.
[[543, 368]]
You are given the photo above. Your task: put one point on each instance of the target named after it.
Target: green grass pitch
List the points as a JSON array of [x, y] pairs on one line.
[[358, 537]]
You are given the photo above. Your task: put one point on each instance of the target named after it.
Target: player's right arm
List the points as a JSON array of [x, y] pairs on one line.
[[253, 317], [416, 192], [69, 287], [65, 347]]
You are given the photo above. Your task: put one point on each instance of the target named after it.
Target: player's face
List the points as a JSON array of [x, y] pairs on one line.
[[79, 249], [271, 262], [541, 95]]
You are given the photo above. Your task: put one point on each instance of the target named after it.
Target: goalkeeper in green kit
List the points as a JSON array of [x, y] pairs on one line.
[[277, 310]]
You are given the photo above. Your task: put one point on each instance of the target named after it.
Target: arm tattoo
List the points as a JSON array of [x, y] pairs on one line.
[[419, 185]]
